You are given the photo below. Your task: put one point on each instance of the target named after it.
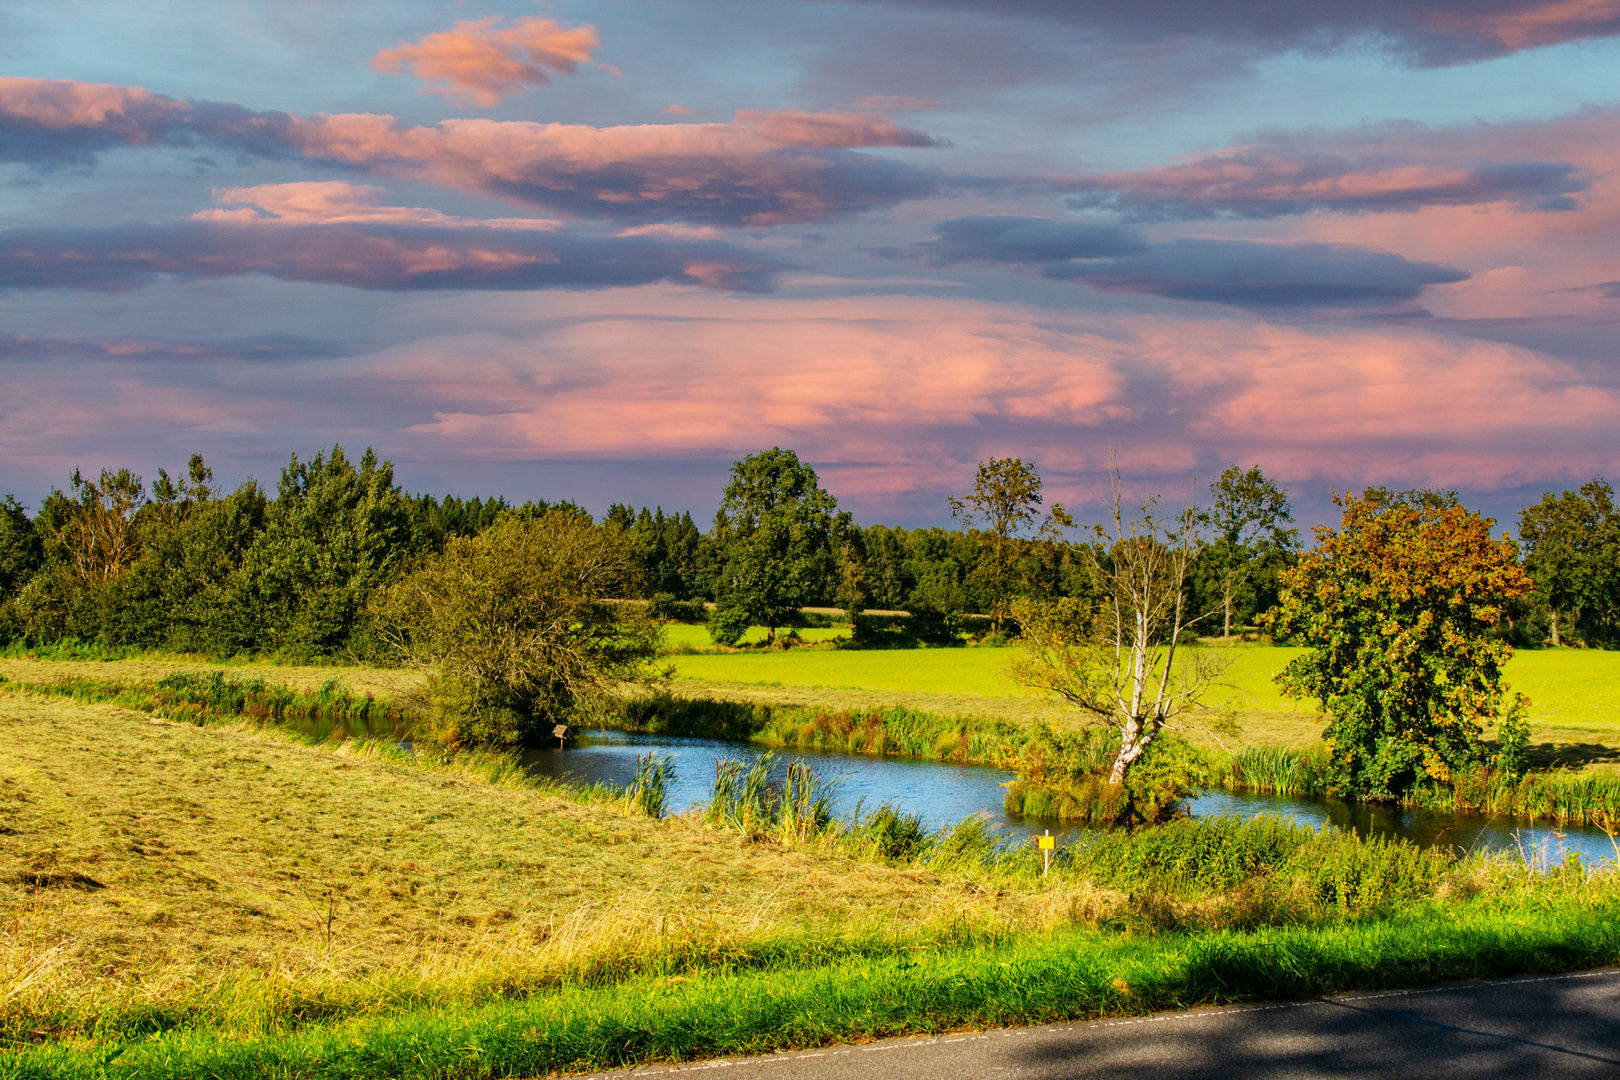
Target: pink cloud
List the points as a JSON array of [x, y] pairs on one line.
[[928, 386], [1531, 27], [485, 63], [762, 168], [1256, 182], [334, 202], [894, 398]]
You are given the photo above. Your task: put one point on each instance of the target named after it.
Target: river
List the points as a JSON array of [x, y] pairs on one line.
[[942, 793]]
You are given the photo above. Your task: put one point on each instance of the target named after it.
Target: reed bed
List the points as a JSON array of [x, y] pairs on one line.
[[1564, 796]]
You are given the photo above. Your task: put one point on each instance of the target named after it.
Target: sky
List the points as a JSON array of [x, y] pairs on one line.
[[599, 249]]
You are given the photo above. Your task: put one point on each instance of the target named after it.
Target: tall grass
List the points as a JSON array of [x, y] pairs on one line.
[[648, 792], [1559, 795], [896, 731], [202, 697]]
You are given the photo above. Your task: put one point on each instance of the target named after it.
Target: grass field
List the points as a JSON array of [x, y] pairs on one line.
[[230, 901], [147, 866], [1575, 694]]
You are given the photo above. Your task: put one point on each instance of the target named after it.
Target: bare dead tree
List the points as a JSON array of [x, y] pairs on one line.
[[1124, 661]]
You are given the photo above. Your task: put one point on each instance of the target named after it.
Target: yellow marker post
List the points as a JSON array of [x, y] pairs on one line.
[[1048, 844]]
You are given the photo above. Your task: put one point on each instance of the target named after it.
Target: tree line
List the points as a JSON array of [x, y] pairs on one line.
[[181, 564]]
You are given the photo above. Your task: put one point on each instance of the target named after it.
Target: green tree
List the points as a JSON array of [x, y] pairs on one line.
[[333, 534], [20, 551], [1572, 552], [1250, 536], [518, 625], [1006, 500], [1122, 656], [1399, 606], [775, 532], [20, 558]]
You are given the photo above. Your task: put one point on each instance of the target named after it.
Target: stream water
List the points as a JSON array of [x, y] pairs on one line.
[[942, 794]]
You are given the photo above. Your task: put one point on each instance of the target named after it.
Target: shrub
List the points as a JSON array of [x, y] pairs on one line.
[[515, 625]]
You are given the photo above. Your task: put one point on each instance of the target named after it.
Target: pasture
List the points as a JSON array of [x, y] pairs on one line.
[[1574, 693]]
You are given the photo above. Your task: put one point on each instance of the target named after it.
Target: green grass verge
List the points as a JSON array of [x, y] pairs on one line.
[[1069, 975]]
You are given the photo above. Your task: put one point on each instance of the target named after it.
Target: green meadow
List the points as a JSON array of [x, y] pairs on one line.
[[1574, 693]]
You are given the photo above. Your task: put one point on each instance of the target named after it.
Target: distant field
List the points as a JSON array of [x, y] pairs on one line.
[[698, 636], [942, 671], [1574, 694]]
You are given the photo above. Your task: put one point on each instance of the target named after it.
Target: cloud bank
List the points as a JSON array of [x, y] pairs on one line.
[[1424, 33], [1256, 183], [1242, 273], [366, 256], [762, 168]]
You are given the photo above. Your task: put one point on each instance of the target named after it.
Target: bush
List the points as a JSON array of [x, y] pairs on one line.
[[515, 626], [921, 627], [1065, 776], [727, 625]]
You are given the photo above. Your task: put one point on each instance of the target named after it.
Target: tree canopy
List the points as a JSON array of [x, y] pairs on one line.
[[1572, 551], [1250, 540], [774, 535], [1399, 607], [1006, 501]]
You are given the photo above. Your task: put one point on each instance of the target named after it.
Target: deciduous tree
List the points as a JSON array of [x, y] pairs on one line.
[[1399, 606], [520, 624], [1006, 501], [1250, 530], [775, 534], [1124, 659], [1572, 552]]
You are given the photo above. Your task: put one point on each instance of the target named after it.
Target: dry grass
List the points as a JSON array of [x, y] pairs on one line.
[[175, 870]]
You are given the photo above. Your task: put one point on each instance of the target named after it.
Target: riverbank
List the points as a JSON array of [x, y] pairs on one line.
[[233, 899]]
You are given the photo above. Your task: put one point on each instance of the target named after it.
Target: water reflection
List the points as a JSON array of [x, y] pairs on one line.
[[940, 794]]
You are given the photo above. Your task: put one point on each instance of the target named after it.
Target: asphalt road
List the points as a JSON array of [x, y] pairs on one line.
[[1555, 1027]]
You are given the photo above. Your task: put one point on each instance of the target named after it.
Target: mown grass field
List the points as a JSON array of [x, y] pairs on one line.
[[144, 862], [233, 901]]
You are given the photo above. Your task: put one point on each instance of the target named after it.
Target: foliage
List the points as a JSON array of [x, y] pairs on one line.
[[1399, 606], [776, 530], [1006, 498], [727, 625], [20, 551], [1066, 775], [333, 535], [1572, 552], [1250, 542], [517, 626]]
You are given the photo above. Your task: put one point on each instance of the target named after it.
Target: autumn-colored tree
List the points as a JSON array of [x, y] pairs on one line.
[[1398, 606]]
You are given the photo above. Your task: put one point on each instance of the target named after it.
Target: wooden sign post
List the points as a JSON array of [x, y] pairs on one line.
[[560, 733], [1047, 843]]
